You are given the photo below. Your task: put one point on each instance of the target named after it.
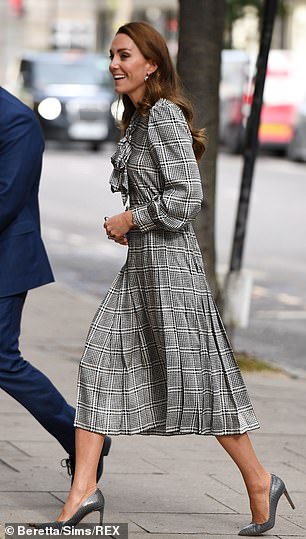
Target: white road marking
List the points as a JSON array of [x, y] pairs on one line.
[[283, 298], [60, 242], [260, 292], [281, 315], [70, 243], [287, 299]]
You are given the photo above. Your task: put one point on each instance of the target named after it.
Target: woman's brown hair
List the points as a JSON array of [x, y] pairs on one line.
[[164, 82]]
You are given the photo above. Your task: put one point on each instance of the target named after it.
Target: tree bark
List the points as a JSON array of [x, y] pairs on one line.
[[201, 25]]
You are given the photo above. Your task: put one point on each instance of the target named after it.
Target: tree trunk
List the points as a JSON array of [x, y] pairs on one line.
[[201, 27]]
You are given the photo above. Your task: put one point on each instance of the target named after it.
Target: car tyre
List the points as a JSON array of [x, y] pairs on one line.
[[95, 146]]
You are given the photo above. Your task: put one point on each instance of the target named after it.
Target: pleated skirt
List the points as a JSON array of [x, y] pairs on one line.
[[157, 359]]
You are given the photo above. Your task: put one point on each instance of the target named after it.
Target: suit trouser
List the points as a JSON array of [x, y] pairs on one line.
[[27, 384]]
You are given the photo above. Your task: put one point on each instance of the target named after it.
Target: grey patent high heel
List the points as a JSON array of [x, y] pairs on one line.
[[95, 502], [277, 489]]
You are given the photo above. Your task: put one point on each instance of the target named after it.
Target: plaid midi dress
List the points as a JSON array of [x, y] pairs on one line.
[[157, 359]]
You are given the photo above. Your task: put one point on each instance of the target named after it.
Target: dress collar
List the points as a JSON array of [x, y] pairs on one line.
[[119, 177]]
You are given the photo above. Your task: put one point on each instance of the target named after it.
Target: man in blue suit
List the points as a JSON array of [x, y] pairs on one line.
[[24, 265]]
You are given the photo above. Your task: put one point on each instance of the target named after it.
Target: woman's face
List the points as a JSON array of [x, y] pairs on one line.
[[129, 67]]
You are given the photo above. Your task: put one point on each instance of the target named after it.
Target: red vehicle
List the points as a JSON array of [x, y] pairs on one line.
[[282, 97], [280, 102]]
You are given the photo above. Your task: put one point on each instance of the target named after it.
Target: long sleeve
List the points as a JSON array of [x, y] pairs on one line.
[[21, 150], [170, 145]]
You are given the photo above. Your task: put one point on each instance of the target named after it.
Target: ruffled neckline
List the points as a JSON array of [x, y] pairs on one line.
[[119, 177]]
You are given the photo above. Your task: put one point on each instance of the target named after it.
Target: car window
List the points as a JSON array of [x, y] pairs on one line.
[[93, 72]]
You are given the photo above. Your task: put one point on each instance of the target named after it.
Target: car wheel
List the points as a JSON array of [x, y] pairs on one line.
[[95, 146]]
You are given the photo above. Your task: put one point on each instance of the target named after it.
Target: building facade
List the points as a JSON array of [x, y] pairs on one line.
[[90, 25]]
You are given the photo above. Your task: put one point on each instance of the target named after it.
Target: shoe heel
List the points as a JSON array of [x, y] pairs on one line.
[[289, 498], [101, 515]]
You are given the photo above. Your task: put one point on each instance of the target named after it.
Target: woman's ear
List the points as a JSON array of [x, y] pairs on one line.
[[152, 67]]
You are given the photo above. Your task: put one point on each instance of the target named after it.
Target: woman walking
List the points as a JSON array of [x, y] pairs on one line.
[[157, 359]]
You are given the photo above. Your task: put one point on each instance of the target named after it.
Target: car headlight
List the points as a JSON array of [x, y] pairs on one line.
[[50, 108]]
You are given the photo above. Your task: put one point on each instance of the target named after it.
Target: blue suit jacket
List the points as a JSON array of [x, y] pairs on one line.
[[23, 260]]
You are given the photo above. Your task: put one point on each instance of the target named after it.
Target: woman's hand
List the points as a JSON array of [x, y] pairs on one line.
[[123, 240], [117, 226]]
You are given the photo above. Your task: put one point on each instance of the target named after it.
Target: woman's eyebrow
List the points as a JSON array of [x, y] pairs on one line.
[[120, 50]]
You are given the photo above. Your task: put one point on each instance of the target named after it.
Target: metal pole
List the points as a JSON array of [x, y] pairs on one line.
[[251, 139], [238, 286]]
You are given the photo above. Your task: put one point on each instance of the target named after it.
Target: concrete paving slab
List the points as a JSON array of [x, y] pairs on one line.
[[30, 503], [8, 476], [239, 503], [21, 427], [298, 499], [182, 446], [116, 518], [183, 536], [279, 447], [50, 512], [9, 450], [299, 520], [190, 466], [9, 405], [160, 493], [158, 484], [42, 448], [296, 465], [136, 465], [142, 535], [179, 523], [35, 479]]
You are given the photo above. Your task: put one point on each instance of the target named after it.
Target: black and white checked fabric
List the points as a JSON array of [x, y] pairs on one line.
[[157, 359]]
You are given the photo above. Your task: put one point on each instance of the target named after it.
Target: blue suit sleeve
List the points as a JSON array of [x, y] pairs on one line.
[[21, 148]]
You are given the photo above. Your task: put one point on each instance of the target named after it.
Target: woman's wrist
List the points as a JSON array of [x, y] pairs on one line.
[[129, 219]]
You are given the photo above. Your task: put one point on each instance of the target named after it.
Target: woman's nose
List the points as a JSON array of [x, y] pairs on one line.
[[114, 63]]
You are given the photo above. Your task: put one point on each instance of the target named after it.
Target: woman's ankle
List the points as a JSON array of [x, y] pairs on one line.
[[82, 489], [258, 483]]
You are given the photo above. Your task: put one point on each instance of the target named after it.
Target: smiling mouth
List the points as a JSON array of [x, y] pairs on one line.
[[119, 77]]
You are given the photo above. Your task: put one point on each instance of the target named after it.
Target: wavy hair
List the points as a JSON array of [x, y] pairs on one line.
[[163, 82]]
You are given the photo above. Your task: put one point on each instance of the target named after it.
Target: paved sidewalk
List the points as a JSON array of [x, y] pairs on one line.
[[165, 488]]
